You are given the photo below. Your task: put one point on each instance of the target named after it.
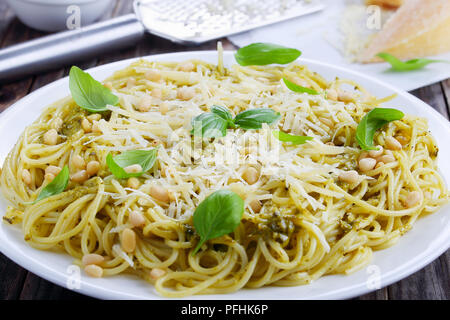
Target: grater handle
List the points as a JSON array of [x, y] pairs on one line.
[[66, 47]]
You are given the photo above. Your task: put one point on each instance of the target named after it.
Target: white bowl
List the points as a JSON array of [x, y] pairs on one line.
[[53, 15]]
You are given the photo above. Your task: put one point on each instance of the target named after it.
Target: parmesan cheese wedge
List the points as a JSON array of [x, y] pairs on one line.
[[418, 28]]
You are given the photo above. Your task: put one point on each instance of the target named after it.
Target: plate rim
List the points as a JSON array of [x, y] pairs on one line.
[[91, 289]]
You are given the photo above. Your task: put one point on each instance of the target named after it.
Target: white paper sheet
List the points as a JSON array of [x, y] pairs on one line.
[[317, 35]]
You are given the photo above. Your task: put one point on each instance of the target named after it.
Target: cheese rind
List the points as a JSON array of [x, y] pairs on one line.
[[385, 3]]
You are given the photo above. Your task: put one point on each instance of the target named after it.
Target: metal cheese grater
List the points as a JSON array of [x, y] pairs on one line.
[[197, 21], [183, 21]]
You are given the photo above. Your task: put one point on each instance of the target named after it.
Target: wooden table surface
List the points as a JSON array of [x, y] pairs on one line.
[[432, 282]]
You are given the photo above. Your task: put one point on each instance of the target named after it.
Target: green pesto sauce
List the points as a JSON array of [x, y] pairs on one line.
[[277, 227], [73, 122]]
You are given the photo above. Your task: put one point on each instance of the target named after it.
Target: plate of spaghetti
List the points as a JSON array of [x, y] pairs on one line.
[[220, 175]]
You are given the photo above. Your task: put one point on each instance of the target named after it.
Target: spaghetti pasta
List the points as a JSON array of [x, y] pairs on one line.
[[301, 220]]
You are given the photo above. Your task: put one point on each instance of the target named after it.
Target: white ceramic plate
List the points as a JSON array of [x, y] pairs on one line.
[[429, 238]]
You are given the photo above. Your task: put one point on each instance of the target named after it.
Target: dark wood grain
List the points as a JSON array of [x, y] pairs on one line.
[[432, 282], [434, 96]]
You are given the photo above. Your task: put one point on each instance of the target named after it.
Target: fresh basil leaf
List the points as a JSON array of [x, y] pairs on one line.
[[286, 137], [223, 112], [209, 125], [371, 122], [413, 64], [88, 93], [117, 164], [296, 88], [254, 118], [219, 214], [56, 186], [265, 53]]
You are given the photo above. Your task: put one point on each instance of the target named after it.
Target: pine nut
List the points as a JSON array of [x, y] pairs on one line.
[[345, 96], [186, 66], [92, 167], [136, 219], [159, 193], [144, 104], [86, 125], [94, 117], [53, 170], [376, 153], [367, 164], [26, 176], [163, 108], [153, 75], [363, 155], [95, 127], [256, 206], [49, 177], [350, 177], [412, 199], [128, 240], [387, 158], [250, 175], [157, 273], [78, 162], [92, 258], [134, 168], [51, 137], [133, 183], [185, 93], [157, 93], [332, 94], [57, 124], [93, 271], [392, 143], [79, 176]]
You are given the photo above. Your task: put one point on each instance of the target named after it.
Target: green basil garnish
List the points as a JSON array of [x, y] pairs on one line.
[[145, 158], [214, 124], [219, 214], [371, 122], [254, 118], [88, 93], [209, 125], [286, 137], [56, 186], [265, 53], [413, 64], [296, 88], [222, 112]]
